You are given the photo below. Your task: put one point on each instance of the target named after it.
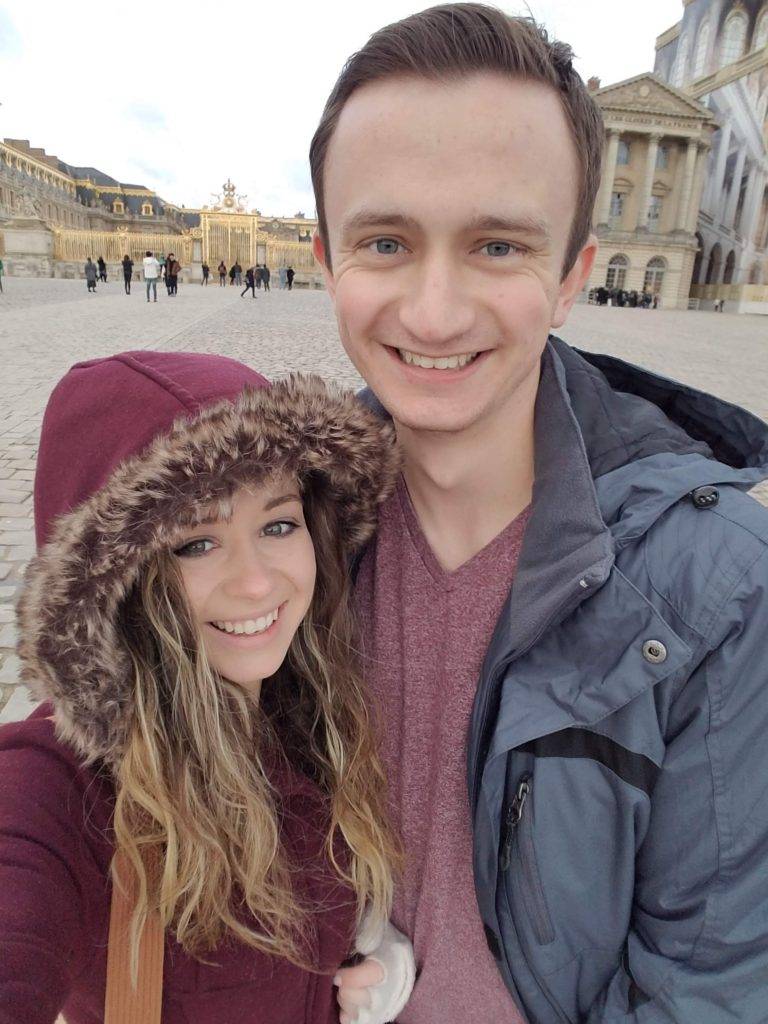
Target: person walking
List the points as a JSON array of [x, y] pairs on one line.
[[282, 277], [102, 269], [265, 276], [249, 283], [172, 270], [206, 271], [199, 792], [222, 274], [127, 273], [289, 276], [91, 273], [564, 609], [151, 273]]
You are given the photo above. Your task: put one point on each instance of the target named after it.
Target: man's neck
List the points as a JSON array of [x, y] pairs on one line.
[[467, 487]]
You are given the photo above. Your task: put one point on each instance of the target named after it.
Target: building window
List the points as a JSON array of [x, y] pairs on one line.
[[654, 212], [662, 158], [118, 206], [700, 56], [617, 208], [654, 275], [617, 271], [622, 154], [680, 68], [734, 38], [146, 209], [761, 32]]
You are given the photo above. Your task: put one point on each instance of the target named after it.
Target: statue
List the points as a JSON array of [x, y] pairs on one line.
[[229, 199]]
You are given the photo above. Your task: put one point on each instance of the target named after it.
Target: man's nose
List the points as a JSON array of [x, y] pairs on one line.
[[437, 309]]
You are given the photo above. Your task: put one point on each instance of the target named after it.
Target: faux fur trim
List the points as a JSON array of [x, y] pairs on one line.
[[69, 648]]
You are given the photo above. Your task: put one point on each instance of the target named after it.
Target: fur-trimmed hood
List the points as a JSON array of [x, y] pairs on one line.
[[69, 645]]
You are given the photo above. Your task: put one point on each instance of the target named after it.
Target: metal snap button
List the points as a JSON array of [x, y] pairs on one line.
[[654, 651]]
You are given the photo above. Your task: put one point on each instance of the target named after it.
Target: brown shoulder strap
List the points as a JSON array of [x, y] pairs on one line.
[[124, 1004]]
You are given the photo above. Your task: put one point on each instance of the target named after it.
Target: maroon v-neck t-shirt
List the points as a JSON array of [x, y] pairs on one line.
[[425, 633]]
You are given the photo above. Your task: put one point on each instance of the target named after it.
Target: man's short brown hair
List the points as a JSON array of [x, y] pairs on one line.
[[455, 40]]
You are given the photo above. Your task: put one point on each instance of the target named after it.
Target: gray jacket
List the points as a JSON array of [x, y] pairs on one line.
[[618, 750]]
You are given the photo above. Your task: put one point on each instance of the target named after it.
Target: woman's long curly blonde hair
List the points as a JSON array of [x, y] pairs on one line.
[[195, 814]]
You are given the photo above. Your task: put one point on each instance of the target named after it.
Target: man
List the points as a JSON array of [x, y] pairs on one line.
[[266, 274], [151, 273], [206, 272], [290, 273], [566, 596], [172, 269], [91, 273]]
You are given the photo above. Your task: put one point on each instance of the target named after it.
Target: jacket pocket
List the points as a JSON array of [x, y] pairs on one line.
[[519, 864]]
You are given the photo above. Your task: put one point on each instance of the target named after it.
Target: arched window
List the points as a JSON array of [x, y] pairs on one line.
[[617, 271], [734, 39], [654, 275], [760, 38], [700, 54], [680, 68], [622, 153], [118, 206], [146, 209], [730, 266]]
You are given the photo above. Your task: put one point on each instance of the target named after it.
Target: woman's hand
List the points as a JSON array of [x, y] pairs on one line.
[[354, 989]]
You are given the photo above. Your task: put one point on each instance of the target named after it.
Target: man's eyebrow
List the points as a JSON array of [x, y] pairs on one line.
[[525, 223], [375, 218], [282, 500]]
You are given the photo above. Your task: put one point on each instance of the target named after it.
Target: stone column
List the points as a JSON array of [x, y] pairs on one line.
[[647, 186], [609, 174], [750, 211], [684, 207], [733, 194], [715, 188], [697, 188]]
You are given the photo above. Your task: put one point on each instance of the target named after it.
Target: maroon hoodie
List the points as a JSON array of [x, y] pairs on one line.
[[130, 446]]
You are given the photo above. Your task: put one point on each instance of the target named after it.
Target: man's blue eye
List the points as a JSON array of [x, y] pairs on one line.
[[194, 549], [498, 248], [387, 246]]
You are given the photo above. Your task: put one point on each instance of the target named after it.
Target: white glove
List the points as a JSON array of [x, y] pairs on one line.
[[393, 952]]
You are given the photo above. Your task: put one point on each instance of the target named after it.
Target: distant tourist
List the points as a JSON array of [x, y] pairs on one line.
[[151, 273], [289, 276], [102, 269], [282, 277], [206, 271], [238, 274], [266, 273], [257, 275], [91, 272], [127, 273], [172, 269], [250, 282], [222, 274], [232, 272]]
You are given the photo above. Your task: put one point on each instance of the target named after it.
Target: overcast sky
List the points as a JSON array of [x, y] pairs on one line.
[[179, 96]]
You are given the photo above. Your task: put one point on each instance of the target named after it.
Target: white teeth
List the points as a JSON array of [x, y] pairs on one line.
[[441, 363], [249, 626]]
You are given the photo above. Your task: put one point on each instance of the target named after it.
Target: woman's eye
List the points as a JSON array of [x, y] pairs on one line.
[[281, 528], [386, 246], [194, 548], [498, 248]]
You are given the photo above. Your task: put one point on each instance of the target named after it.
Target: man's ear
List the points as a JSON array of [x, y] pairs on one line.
[[318, 250], [574, 281]]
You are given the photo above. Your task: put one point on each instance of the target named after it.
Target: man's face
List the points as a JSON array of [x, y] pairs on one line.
[[449, 208]]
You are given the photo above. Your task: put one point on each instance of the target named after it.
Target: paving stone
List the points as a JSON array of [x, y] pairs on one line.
[[20, 706], [8, 635], [9, 671]]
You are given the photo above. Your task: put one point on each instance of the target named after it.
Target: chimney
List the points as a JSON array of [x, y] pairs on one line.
[[593, 84]]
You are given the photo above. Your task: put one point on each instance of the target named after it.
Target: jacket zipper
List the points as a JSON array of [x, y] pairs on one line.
[[532, 890]]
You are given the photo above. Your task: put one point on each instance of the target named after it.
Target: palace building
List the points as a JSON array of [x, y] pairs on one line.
[[53, 216], [683, 207]]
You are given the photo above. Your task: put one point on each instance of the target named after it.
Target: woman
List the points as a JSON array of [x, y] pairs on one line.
[[127, 273], [204, 737], [102, 269]]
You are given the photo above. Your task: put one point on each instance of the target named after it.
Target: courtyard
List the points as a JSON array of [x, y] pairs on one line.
[[46, 325]]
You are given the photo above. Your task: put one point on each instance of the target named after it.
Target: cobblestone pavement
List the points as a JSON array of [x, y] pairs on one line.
[[46, 325]]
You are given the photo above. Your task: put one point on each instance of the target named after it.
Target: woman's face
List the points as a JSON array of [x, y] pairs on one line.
[[250, 581]]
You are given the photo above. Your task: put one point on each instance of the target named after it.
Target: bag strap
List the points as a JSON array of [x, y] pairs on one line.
[[123, 1004]]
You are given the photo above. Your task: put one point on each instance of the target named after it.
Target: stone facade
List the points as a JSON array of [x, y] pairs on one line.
[[645, 214]]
